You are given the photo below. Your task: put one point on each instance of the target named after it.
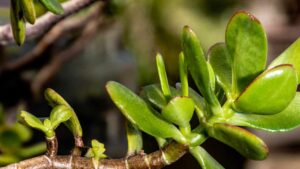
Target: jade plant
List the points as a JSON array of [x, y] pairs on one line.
[[234, 89]]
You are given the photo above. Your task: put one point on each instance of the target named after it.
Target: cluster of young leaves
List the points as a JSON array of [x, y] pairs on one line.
[[61, 112], [25, 10], [12, 140], [236, 89]]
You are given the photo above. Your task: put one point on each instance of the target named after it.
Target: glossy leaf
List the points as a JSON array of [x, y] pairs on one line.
[[134, 139], [197, 65], [286, 120], [179, 111], [59, 114], [198, 100], [154, 95], [163, 76], [17, 22], [240, 139], [205, 160], [29, 10], [219, 59], [53, 6], [140, 114], [247, 45], [32, 121], [54, 99], [290, 56], [270, 92]]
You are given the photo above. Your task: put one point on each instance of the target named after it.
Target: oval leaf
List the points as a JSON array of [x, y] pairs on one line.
[[32, 121], [53, 6], [247, 45], [219, 60], [286, 120], [269, 93], [59, 114], [240, 139], [205, 160], [290, 56], [179, 111], [140, 114], [197, 65]]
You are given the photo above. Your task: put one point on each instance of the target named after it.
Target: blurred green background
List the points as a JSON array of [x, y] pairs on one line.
[[123, 49]]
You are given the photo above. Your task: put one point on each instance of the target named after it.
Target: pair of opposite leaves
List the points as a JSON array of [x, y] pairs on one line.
[[21, 10]]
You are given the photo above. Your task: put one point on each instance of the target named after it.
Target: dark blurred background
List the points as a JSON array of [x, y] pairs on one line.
[[120, 44]]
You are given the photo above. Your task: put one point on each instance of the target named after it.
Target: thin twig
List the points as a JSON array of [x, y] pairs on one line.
[[45, 22]]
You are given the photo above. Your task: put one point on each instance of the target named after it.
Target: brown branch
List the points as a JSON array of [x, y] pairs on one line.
[[45, 22], [52, 146], [155, 160]]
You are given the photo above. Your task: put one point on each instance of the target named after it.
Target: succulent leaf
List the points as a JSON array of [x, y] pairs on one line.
[[140, 114], [247, 45], [269, 93]]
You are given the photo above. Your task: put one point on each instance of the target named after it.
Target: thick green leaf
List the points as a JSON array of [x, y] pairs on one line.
[[219, 59], [290, 56], [29, 10], [53, 6], [197, 65], [140, 114], [179, 111], [32, 121], [247, 45], [134, 139], [205, 160], [240, 139], [269, 93], [286, 120], [54, 99], [154, 95], [59, 114], [17, 22]]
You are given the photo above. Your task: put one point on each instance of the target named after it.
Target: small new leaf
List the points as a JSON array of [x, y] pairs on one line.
[[32, 121], [179, 111], [59, 114]]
